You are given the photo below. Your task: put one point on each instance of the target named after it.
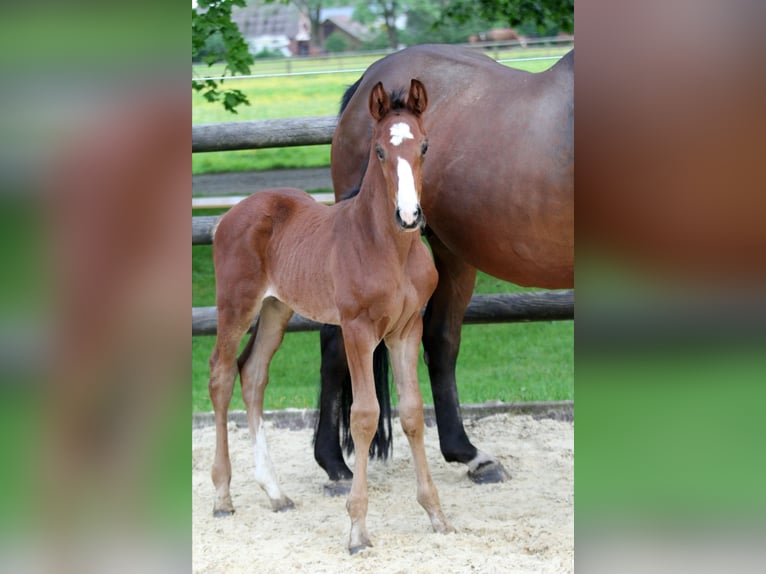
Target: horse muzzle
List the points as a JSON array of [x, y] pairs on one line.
[[410, 220]]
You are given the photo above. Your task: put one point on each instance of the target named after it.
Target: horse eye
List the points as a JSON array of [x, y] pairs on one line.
[[379, 151], [424, 148]]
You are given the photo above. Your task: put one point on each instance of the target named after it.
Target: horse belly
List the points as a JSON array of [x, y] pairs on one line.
[[312, 302]]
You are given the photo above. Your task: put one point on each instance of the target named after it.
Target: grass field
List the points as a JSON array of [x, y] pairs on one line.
[[507, 362], [298, 96]]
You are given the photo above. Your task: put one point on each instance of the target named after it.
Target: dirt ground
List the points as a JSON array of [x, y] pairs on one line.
[[525, 525]]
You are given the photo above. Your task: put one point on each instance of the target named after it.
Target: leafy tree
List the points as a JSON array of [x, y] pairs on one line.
[[312, 9], [389, 10], [423, 17], [544, 16], [336, 43], [212, 20]]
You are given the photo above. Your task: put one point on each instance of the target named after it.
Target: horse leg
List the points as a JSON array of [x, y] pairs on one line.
[[360, 343], [223, 371], [404, 360], [327, 448], [442, 326], [254, 375]]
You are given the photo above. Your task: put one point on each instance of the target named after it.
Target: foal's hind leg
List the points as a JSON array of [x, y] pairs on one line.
[[404, 360], [223, 371], [254, 375]]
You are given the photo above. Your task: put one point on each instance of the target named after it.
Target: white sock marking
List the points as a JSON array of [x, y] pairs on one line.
[[264, 468]]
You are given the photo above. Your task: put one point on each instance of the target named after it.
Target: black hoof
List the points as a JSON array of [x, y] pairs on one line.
[[337, 488], [220, 513], [489, 472], [358, 549]]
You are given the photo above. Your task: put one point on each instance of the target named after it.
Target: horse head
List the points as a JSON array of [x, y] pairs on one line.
[[400, 145]]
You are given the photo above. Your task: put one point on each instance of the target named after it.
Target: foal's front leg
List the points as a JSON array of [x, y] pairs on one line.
[[254, 375], [404, 348], [365, 411]]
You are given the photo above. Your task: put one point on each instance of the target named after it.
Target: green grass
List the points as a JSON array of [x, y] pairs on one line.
[[295, 96], [507, 362]]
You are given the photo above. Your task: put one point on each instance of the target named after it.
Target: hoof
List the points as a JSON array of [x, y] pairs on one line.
[[489, 472], [282, 505], [357, 549], [337, 488], [220, 512]]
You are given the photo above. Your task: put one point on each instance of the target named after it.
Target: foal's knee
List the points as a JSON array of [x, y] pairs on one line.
[[364, 419], [411, 415]]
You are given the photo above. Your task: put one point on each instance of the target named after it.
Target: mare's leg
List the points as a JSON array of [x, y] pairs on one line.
[[404, 360], [360, 342], [442, 326], [327, 449], [254, 375], [232, 326]]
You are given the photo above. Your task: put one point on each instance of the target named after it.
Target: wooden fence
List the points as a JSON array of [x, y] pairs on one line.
[[496, 308]]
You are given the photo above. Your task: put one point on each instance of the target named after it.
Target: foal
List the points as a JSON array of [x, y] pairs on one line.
[[359, 264]]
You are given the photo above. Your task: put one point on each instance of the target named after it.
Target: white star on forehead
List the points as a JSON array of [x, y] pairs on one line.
[[400, 132]]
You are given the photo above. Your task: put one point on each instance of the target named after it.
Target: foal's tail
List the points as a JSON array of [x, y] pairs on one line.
[[382, 442]]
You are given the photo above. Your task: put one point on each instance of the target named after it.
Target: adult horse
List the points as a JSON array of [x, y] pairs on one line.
[[359, 264], [498, 195]]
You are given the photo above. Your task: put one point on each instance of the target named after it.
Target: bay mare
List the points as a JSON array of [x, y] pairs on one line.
[[498, 195]]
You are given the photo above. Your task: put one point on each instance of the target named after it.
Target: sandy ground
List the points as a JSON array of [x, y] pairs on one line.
[[525, 525]]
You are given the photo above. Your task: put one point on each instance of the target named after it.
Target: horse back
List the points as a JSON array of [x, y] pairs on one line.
[[498, 183]]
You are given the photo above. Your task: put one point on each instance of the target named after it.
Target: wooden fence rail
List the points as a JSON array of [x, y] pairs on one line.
[[260, 134], [497, 308]]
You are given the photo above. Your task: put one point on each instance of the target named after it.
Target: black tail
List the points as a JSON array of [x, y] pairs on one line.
[[382, 442]]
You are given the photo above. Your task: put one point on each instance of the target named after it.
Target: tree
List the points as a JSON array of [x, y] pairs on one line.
[[558, 14], [336, 42], [388, 10], [423, 17], [312, 9], [212, 20]]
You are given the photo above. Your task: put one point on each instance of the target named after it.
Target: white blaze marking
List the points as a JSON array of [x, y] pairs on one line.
[[406, 196], [400, 132]]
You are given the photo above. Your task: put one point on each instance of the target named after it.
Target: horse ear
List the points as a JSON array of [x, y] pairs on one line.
[[379, 102], [417, 100]]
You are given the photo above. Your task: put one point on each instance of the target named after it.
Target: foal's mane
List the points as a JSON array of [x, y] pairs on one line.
[[398, 99]]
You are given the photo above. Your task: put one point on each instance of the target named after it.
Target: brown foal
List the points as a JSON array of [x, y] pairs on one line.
[[359, 264]]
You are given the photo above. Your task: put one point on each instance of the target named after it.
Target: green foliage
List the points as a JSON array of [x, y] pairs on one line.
[[543, 16], [336, 43], [212, 19], [423, 27], [266, 54]]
